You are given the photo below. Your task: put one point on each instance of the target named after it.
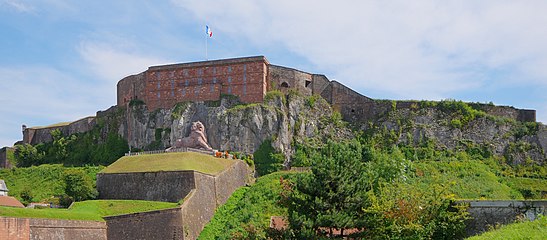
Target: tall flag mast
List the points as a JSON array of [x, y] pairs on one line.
[[209, 35]]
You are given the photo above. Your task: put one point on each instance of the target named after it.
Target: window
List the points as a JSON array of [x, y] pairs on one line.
[[159, 95], [158, 75], [173, 74], [229, 69], [244, 89], [186, 83], [215, 70], [229, 79], [212, 87], [183, 92], [185, 72], [215, 80], [308, 83], [200, 72], [200, 81], [229, 89], [159, 86]]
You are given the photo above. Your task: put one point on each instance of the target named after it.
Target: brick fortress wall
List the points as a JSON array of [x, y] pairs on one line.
[[35, 228], [164, 86]]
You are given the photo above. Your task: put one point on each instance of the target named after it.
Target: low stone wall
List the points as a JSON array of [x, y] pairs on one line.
[[211, 192], [486, 214], [202, 194], [152, 186], [161, 224], [34, 228]]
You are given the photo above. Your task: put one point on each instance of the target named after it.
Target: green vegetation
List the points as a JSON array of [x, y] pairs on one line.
[[468, 179], [93, 210], [246, 214], [44, 183], [459, 112], [89, 148], [179, 109], [266, 159], [530, 188], [136, 102], [351, 186], [169, 162], [78, 185], [524, 230]]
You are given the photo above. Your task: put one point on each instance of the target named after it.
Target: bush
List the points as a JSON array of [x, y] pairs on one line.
[[267, 160], [78, 185]]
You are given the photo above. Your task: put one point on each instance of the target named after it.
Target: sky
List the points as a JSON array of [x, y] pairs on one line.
[[60, 60]]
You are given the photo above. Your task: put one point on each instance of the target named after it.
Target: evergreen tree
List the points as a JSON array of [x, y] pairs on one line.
[[332, 196]]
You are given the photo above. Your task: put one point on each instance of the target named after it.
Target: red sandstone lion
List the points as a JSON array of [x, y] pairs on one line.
[[196, 139]]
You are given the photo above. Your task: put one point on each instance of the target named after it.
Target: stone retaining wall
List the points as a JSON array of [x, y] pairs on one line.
[[486, 214], [34, 228], [153, 186], [161, 224]]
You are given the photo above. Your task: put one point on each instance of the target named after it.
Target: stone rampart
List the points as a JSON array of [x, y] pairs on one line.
[[35, 228], [284, 78], [161, 224], [486, 214], [4, 157], [153, 186], [43, 134]]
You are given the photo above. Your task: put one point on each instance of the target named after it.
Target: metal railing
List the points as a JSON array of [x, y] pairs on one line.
[[211, 152]]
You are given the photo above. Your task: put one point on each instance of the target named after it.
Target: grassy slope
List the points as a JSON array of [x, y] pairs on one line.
[[93, 210], [248, 207], [467, 179], [42, 181], [526, 230], [169, 162]]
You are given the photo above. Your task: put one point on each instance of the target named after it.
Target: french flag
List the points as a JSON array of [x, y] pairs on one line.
[[208, 31]]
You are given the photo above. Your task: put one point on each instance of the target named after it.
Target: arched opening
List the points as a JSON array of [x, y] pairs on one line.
[[284, 85]]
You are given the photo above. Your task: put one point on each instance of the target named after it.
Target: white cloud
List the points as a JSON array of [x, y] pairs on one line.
[[41, 96], [18, 6], [412, 49], [114, 61]]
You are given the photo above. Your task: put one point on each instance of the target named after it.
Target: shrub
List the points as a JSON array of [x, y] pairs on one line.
[[267, 160], [78, 185]]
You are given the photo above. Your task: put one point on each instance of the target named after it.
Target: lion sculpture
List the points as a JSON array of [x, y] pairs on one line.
[[196, 139]]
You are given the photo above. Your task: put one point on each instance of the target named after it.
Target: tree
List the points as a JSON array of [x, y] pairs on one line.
[[78, 185], [333, 195], [27, 155]]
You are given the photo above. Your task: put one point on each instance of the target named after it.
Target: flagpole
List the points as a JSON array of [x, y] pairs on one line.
[[206, 43]]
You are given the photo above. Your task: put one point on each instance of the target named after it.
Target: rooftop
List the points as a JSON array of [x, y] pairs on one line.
[[8, 201]]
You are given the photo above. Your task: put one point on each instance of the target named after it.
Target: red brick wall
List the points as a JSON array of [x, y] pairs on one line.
[[14, 228], [164, 86]]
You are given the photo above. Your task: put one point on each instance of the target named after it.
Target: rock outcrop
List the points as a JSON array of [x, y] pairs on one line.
[[234, 126]]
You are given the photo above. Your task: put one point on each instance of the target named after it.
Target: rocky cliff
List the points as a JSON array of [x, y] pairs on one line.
[[293, 118], [453, 125], [230, 125]]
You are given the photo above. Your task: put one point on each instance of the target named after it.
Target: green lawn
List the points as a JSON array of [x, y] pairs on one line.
[[530, 187], [169, 162], [526, 230], [93, 210]]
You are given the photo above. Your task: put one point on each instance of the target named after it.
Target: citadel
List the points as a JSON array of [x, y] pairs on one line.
[[159, 89]]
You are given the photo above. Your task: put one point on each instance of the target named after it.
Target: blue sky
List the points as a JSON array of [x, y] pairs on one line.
[[60, 60]]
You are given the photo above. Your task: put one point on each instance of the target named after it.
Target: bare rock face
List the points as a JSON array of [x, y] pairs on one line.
[[233, 126], [498, 136]]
